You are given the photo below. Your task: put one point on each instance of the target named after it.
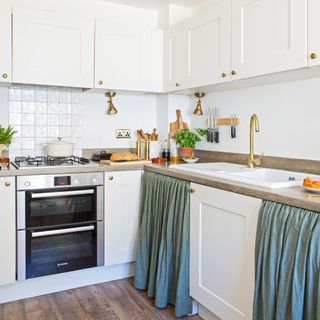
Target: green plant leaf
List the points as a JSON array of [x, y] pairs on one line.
[[188, 139], [6, 135]]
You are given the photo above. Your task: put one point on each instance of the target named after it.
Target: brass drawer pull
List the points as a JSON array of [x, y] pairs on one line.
[[110, 177], [233, 72], [177, 84], [7, 184], [223, 75], [100, 82], [192, 190], [5, 76]]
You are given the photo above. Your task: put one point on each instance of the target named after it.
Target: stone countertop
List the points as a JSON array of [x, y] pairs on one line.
[[292, 196], [295, 196]]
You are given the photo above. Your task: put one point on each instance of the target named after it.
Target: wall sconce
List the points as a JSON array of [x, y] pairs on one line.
[[198, 110], [111, 110]]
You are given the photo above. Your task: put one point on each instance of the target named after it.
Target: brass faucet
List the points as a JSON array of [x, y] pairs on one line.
[[252, 161]]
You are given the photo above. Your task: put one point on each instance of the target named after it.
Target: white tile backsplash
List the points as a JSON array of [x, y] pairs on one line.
[[41, 114]]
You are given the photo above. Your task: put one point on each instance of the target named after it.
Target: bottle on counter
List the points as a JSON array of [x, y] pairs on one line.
[[166, 150]]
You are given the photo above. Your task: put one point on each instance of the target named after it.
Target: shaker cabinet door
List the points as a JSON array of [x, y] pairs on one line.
[[172, 58], [7, 230], [5, 41], [267, 36], [51, 48], [313, 32], [206, 46], [222, 240], [122, 57], [122, 204]]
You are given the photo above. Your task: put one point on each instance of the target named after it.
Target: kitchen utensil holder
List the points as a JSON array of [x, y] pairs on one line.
[[146, 144]]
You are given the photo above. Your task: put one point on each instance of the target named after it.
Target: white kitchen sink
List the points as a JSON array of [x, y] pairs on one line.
[[263, 177]]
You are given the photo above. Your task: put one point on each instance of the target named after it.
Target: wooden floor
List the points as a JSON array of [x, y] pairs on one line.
[[112, 300]]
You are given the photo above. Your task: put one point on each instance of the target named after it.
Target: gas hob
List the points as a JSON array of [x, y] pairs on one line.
[[49, 162]]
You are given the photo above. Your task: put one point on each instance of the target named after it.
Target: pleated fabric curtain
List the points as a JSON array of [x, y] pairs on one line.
[[162, 264], [287, 264]]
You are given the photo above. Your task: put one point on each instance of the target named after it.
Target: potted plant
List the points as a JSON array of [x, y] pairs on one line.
[[6, 137], [187, 141]]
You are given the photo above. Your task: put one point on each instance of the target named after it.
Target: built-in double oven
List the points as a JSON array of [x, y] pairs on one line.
[[60, 223]]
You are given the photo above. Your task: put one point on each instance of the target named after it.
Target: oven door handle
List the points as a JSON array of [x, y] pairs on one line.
[[60, 231], [60, 194]]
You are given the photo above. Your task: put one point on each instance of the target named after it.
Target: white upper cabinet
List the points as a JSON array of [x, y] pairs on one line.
[[206, 46], [222, 241], [172, 58], [122, 204], [123, 57], [313, 32], [51, 48], [267, 36], [5, 40], [7, 231]]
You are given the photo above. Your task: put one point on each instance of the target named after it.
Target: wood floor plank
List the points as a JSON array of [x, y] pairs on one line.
[[116, 300]]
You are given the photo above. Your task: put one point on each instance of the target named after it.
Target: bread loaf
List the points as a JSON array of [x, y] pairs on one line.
[[123, 156]]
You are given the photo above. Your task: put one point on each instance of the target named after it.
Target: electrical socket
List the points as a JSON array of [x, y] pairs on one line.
[[123, 133]]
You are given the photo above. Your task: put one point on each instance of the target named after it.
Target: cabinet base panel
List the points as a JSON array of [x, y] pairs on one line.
[[205, 314], [64, 281]]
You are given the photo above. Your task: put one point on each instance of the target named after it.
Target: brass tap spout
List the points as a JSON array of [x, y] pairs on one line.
[[254, 124]]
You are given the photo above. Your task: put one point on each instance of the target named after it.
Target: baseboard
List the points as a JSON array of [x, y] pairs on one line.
[[64, 281]]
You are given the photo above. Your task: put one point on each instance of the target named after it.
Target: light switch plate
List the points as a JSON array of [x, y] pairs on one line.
[[123, 133]]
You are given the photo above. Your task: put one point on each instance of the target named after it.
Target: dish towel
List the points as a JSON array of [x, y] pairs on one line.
[[162, 265], [287, 263]]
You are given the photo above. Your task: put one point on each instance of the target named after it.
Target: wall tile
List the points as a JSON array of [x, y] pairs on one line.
[[27, 119], [28, 107], [41, 114], [40, 107], [14, 106]]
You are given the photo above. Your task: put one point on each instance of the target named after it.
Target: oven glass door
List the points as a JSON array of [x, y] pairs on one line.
[[50, 251], [65, 206]]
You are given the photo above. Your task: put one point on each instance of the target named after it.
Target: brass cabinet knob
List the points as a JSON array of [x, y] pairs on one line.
[[313, 55], [233, 72], [110, 177], [177, 84], [192, 190], [5, 76], [223, 75], [100, 82], [7, 183]]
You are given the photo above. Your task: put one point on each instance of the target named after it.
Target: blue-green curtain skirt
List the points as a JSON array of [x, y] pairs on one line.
[[162, 265], [287, 263]]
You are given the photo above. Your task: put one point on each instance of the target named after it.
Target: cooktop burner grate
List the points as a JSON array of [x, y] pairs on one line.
[[46, 161]]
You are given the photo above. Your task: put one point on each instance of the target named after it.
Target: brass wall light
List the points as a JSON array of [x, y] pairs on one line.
[[198, 110], [111, 110]]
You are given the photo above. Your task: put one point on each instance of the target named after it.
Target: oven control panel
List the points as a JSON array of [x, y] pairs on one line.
[[59, 181]]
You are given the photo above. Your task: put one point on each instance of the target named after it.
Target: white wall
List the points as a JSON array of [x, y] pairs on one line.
[[134, 112], [289, 116]]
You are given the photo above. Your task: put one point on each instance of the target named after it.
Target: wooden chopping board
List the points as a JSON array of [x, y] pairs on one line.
[[178, 125], [125, 163]]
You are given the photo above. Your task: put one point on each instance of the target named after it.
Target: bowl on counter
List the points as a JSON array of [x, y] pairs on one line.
[[190, 160]]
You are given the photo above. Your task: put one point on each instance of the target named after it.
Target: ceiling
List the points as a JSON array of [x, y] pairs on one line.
[[156, 4]]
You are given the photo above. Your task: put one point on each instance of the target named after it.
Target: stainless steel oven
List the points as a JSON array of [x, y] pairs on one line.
[[60, 223]]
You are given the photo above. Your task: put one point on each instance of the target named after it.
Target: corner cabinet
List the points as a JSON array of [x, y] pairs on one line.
[[51, 48], [222, 240], [206, 46], [268, 36], [313, 33], [5, 40], [122, 204], [123, 57], [7, 231]]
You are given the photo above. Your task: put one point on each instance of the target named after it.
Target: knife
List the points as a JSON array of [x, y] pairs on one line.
[[216, 128]]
